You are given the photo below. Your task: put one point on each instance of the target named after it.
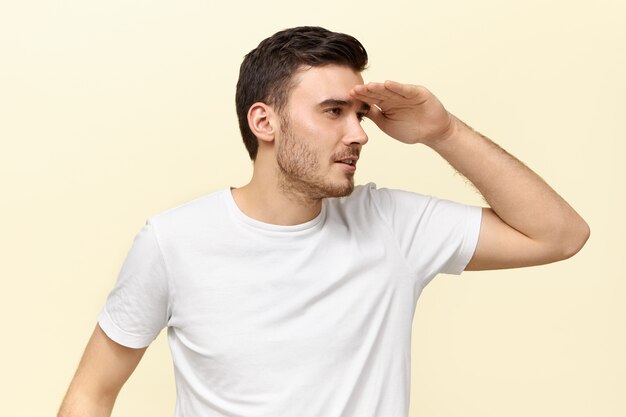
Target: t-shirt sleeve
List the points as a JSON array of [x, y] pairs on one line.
[[137, 308], [434, 235]]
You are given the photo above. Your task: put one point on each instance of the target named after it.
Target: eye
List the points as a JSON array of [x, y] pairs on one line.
[[334, 111], [361, 116]]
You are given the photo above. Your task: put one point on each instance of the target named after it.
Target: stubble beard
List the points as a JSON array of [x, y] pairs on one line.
[[298, 170]]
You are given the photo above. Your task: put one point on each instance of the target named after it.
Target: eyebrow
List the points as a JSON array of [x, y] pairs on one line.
[[344, 103]]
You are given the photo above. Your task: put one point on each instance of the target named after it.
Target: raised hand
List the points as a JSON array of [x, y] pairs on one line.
[[408, 113]]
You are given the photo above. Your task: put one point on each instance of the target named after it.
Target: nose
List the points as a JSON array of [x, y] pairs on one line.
[[355, 134]]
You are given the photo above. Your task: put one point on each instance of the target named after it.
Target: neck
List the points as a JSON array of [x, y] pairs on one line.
[[275, 203]]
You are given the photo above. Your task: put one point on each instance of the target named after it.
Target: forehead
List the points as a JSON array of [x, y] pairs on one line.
[[317, 84]]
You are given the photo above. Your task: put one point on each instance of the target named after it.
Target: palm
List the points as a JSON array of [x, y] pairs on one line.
[[408, 113]]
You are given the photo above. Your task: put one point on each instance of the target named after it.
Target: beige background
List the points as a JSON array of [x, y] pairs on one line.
[[112, 111]]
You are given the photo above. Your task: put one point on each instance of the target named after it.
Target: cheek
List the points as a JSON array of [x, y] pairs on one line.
[[312, 124], [306, 127], [318, 134]]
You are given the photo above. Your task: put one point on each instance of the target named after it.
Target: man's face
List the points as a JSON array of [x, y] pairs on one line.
[[320, 135]]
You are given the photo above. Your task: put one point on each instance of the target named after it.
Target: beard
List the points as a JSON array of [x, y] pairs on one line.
[[299, 169]]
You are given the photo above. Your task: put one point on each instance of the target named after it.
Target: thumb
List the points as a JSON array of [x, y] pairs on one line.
[[377, 116]]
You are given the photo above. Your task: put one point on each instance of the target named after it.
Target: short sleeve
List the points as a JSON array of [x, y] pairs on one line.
[[434, 235], [137, 308]]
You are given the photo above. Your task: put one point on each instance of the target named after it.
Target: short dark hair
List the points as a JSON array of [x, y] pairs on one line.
[[266, 73]]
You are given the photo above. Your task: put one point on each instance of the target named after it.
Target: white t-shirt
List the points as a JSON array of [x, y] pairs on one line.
[[308, 320]]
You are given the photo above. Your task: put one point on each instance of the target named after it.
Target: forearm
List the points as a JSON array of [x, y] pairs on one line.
[[77, 404], [528, 222], [513, 191]]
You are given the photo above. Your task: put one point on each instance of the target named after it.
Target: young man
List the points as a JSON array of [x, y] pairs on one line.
[[294, 294]]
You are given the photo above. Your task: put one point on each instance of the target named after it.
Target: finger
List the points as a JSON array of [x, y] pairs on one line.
[[377, 88], [377, 116], [362, 93], [408, 91]]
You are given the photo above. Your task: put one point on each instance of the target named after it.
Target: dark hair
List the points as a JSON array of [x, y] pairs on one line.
[[267, 71]]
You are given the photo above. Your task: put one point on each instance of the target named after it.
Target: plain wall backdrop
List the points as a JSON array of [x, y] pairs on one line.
[[112, 111]]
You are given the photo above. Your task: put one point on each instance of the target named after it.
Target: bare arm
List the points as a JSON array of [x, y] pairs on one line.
[[527, 223], [103, 370]]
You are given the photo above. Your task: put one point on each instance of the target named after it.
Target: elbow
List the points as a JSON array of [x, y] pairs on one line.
[[574, 238]]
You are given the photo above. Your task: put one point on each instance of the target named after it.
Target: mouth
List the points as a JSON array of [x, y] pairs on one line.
[[351, 162], [348, 163]]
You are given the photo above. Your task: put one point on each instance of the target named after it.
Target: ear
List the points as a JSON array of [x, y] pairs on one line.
[[261, 121]]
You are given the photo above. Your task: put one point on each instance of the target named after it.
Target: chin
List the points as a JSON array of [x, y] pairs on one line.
[[317, 188], [338, 190]]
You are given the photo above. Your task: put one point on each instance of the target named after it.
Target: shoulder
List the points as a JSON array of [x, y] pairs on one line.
[[370, 196], [192, 215], [368, 202], [362, 197]]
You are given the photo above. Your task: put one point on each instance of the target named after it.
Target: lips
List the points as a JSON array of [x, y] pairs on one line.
[[348, 159], [348, 163]]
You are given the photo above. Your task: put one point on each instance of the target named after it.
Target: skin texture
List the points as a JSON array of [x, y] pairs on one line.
[[526, 223], [301, 167], [103, 370], [297, 165]]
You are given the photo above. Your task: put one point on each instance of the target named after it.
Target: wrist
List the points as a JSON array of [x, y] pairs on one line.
[[455, 132]]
